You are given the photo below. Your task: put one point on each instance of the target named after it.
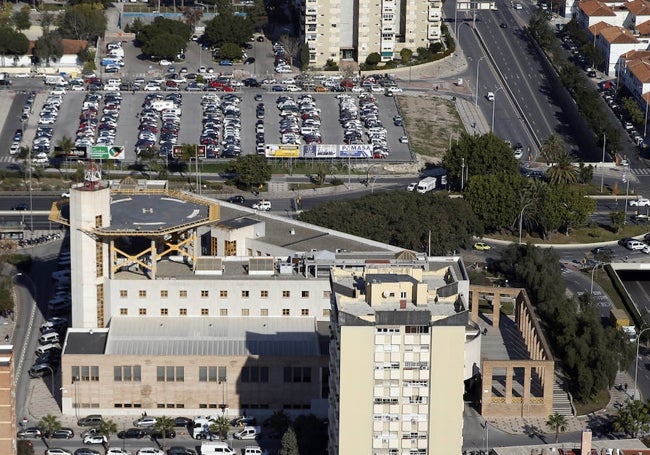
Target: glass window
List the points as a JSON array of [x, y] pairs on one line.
[[222, 374], [203, 374], [124, 293], [264, 374], [304, 312], [205, 293], [264, 294], [182, 294], [85, 373], [213, 374], [142, 311], [245, 294], [160, 374], [223, 311], [142, 293], [124, 311], [245, 312], [306, 374], [137, 375], [75, 374], [255, 374], [182, 312], [127, 373], [169, 374], [305, 294], [264, 311], [164, 293], [287, 374], [286, 312], [286, 294], [245, 374], [180, 374], [163, 311], [117, 374], [223, 294], [204, 312]]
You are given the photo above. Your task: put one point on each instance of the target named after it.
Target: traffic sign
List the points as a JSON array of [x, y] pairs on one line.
[[107, 152]]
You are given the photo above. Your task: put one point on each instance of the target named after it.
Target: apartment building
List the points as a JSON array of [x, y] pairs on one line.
[[399, 354], [344, 31], [7, 401]]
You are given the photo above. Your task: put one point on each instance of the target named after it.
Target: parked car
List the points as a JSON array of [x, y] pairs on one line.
[[57, 451], [131, 433], [86, 451], [95, 439], [41, 369], [640, 202], [157, 434], [145, 422], [634, 245], [264, 206], [237, 199], [182, 421], [482, 246], [30, 433], [61, 433], [92, 420]]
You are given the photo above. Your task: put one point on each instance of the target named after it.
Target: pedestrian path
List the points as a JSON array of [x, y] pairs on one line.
[[640, 171]]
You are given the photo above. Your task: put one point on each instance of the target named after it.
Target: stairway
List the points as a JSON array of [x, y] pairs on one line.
[[561, 402]]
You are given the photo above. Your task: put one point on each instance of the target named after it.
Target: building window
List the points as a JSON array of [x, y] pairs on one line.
[[223, 312], [297, 374], [255, 374], [205, 312], [170, 374], [264, 312], [182, 294], [264, 294], [212, 374], [245, 312], [124, 311], [223, 294], [85, 373], [286, 294], [327, 294], [124, 293], [142, 311], [305, 294], [304, 312], [244, 294], [164, 294], [326, 313], [127, 373], [205, 293], [163, 311], [142, 293], [182, 312], [286, 312]]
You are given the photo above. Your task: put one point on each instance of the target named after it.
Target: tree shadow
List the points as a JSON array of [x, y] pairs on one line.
[[533, 431]]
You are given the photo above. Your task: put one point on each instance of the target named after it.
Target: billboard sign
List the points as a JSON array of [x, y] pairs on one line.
[[355, 151], [177, 151], [319, 151], [282, 150], [107, 152]]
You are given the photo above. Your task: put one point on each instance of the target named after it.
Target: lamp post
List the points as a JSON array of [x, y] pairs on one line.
[[602, 163], [593, 269], [636, 364], [494, 103], [478, 65], [487, 436], [521, 218], [627, 190]]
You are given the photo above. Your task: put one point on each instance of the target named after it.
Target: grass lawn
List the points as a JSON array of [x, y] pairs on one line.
[[599, 402]]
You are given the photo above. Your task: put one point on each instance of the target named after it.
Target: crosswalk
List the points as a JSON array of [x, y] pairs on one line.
[[641, 172], [7, 159]]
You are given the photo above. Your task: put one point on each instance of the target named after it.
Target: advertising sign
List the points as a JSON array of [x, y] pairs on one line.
[[319, 151], [355, 151], [282, 151], [107, 152]]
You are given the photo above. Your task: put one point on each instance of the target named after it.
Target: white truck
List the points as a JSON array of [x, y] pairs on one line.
[[54, 80], [220, 448], [426, 185]]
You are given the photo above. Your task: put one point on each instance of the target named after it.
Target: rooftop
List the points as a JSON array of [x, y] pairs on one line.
[[79, 341], [241, 336]]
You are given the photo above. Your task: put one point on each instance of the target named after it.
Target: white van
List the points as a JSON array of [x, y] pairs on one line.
[[248, 433], [162, 105], [49, 338], [490, 96], [220, 448], [47, 347]]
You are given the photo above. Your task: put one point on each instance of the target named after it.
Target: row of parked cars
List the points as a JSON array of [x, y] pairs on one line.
[[221, 125], [360, 116], [160, 122], [299, 120], [282, 59]]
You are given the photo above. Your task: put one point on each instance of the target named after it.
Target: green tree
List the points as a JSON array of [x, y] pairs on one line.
[[633, 111], [48, 47], [12, 42], [251, 170], [163, 38], [164, 45], [541, 30], [291, 46], [311, 434], [563, 171], [618, 220], [495, 199], [230, 51], [557, 422], [192, 16], [83, 21], [165, 425], [279, 421], [25, 447], [585, 173], [373, 59], [563, 206], [552, 148], [479, 155], [633, 418], [21, 18], [48, 425], [66, 144], [406, 54], [107, 428], [289, 443], [221, 426], [227, 28]]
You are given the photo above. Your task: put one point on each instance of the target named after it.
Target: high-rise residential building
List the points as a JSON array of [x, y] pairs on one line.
[[7, 401], [398, 359], [341, 30]]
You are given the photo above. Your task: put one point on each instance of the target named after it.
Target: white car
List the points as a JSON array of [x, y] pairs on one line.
[[95, 439], [640, 202], [411, 186], [634, 245], [151, 88], [264, 206], [164, 63], [15, 148], [404, 139], [117, 451], [395, 89], [150, 451], [57, 451]]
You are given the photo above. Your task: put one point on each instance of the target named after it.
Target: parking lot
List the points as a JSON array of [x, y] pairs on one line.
[[332, 132]]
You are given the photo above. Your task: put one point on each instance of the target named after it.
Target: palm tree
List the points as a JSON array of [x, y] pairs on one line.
[[66, 144], [558, 422], [48, 425], [563, 171], [221, 426], [552, 148], [106, 429], [165, 425]]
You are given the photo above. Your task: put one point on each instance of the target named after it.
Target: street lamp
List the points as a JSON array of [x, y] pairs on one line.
[[591, 289], [487, 437], [636, 364], [602, 163], [521, 217], [478, 65], [494, 103], [627, 190]]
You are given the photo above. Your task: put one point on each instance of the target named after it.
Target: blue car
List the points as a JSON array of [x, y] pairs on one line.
[[278, 88], [225, 63]]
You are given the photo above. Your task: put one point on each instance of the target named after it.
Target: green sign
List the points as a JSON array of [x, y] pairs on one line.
[[107, 152]]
